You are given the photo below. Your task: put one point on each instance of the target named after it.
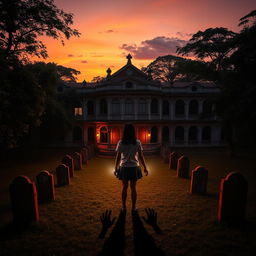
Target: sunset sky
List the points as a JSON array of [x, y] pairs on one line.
[[145, 28]]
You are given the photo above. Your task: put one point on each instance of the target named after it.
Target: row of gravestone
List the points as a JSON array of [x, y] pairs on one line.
[[233, 188], [25, 194]]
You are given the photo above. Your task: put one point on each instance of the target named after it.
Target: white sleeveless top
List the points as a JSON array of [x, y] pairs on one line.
[[129, 153]]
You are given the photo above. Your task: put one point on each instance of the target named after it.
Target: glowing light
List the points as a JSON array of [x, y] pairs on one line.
[[97, 134], [149, 134]]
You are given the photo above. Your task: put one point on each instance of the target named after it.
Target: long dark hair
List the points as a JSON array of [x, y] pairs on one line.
[[129, 136]]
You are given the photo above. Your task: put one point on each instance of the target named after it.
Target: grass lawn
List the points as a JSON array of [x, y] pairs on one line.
[[70, 225]]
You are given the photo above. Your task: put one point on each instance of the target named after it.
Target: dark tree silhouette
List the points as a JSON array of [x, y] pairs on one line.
[[23, 22]]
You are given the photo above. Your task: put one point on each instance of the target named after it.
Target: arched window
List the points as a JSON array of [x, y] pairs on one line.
[[115, 107], [165, 134], [143, 107], [207, 108], [91, 134], [179, 134], [90, 108], [179, 108], [103, 107], [192, 134], [165, 108], [77, 134], [104, 135], [206, 134], [193, 107], [154, 106], [154, 134], [129, 107]]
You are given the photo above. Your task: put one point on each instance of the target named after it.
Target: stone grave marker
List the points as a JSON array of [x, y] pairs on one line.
[[232, 199], [68, 161], [23, 195], [77, 161], [62, 174], [84, 155], [45, 187], [173, 160], [183, 167], [199, 178]]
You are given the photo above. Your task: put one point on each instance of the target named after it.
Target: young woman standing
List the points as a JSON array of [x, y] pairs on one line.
[[127, 168]]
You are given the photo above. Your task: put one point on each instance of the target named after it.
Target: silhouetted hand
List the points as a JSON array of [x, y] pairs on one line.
[[146, 172], [106, 222], [152, 219]]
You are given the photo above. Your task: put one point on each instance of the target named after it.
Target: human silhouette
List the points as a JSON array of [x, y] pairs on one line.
[[129, 154]]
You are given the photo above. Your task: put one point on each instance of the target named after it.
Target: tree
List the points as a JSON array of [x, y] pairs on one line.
[[213, 44], [170, 68], [24, 21]]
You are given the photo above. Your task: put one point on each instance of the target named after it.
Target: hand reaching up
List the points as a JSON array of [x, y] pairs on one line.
[[152, 219], [106, 222]]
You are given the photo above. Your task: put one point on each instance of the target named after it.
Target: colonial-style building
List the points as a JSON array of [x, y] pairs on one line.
[[180, 115]]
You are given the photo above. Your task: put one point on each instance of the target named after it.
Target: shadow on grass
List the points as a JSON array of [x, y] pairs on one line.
[[12, 230], [115, 243], [144, 243]]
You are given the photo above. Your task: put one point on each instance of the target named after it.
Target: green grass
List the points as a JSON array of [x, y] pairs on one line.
[[70, 225]]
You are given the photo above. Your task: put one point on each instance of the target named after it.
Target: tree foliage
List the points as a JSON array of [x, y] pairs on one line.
[[169, 68], [213, 44], [24, 21]]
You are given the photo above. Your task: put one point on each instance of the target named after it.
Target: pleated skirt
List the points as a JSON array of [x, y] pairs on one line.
[[129, 173]]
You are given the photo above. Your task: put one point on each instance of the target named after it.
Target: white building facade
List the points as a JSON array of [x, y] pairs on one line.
[[178, 115]]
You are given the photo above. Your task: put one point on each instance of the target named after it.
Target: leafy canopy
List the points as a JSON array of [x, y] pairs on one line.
[[24, 21]]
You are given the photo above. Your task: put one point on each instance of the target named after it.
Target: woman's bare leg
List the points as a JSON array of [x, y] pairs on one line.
[[133, 194], [124, 193]]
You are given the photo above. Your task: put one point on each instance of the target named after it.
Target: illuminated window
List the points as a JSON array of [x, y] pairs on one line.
[[78, 111], [103, 134]]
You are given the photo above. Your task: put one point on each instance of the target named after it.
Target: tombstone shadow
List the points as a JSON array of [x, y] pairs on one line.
[[144, 243], [114, 245]]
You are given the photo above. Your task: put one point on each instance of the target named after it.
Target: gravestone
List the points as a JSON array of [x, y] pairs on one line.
[[77, 161], [233, 197], [45, 187], [183, 167], [62, 174], [173, 160], [84, 155], [24, 202], [68, 161], [199, 178]]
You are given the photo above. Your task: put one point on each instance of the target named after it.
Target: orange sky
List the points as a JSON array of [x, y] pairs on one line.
[[146, 28]]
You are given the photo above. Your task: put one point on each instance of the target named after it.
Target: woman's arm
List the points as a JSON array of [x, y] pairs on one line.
[[117, 162], [142, 160]]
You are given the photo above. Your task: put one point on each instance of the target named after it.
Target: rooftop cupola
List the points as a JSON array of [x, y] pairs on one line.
[[109, 73], [129, 59]]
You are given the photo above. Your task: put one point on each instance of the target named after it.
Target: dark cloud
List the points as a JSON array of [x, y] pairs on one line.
[[158, 46], [108, 31], [84, 61], [70, 55]]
